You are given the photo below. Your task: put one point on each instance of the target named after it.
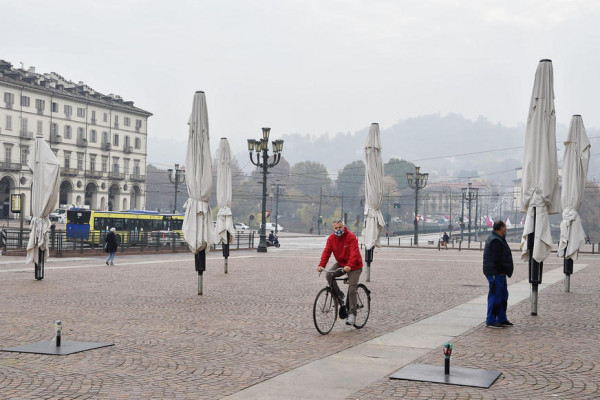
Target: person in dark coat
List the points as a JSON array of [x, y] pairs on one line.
[[497, 265], [111, 245]]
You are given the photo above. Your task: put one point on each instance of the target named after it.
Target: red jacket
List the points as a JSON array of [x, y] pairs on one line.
[[345, 250]]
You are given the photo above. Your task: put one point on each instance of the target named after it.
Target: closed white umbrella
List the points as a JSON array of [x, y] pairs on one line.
[[225, 229], [540, 187], [575, 167], [374, 222], [198, 229], [44, 195]]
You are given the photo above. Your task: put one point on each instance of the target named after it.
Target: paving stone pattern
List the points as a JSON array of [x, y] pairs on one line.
[[255, 323]]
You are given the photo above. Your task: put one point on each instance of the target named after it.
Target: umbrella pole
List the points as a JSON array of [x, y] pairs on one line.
[[369, 259], [568, 270], [39, 266], [226, 253], [535, 269], [200, 261]]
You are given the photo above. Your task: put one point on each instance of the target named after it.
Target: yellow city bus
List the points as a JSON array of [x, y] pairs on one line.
[[131, 226]]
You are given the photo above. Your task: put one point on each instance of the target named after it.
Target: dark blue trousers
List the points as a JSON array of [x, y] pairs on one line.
[[497, 299]]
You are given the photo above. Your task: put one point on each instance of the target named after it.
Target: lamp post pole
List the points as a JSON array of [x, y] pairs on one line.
[[417, 181], [449, 189], [277, 186], [178, 178], [470, 193], [261, 147]]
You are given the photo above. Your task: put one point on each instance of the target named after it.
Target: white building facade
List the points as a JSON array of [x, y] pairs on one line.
[[100, 141]]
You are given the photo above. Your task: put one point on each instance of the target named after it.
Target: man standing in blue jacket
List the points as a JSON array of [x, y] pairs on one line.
[[497, 265]]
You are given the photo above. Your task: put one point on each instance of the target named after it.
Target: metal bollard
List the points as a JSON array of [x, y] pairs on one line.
[[58, 328], [447, 355]]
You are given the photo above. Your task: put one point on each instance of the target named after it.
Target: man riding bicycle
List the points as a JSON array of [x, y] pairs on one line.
[[344, 246]]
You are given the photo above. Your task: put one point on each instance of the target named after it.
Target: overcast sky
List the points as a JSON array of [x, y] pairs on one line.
[[311, 66]]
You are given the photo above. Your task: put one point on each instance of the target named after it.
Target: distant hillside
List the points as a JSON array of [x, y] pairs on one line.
[[445, 146]]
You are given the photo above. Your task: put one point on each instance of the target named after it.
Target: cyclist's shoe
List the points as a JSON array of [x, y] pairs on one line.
[[341, 302], [351, 319]]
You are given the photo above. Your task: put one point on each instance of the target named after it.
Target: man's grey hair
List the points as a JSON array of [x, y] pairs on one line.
[[338, 221]]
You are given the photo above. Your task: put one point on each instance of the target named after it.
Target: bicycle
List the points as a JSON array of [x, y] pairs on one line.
[[325, 308]]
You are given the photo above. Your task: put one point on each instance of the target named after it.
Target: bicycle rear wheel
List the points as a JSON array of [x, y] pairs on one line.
[[325, 311], [363, 306]]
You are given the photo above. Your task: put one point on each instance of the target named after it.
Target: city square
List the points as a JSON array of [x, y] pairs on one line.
[[253, 327]]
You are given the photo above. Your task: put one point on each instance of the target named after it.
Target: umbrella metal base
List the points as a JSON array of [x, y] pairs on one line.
[[66, 347], [457, 376]]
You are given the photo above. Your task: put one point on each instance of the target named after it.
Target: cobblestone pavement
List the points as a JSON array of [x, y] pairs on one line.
[[255, 323]]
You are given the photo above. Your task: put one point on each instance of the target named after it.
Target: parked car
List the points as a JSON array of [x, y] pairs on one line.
[[240, 226], [59, 215], [271, 227], [166, 238]]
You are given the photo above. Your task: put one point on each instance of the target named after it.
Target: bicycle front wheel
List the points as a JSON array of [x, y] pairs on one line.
[[363, 306], [325, 311]]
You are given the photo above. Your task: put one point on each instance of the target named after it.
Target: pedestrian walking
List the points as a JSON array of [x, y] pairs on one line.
[[497, 265], [111, 244]]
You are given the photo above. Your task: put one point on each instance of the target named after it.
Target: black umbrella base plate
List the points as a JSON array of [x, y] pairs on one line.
[[458, 375], [66, 347]]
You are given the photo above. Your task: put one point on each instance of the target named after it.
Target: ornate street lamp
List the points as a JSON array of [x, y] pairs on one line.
[[417, 181], [261, 147], [177, 178], [449, 189], [469, 193]]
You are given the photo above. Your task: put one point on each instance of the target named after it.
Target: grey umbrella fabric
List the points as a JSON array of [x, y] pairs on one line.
[[374, 221], [540, 188], [44, 196], [574, 174], [198, 229], [224, 215]]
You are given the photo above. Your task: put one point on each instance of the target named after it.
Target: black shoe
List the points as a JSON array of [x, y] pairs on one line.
[[494, 326], [506, 323]]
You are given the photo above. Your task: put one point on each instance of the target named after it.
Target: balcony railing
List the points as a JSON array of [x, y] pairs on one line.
[[116, 175], [94, 174], [93, 121], [106, 146], [128, 149], [69, 172], [9, 166], [55, 139], [137, 178], [81, 142], [26, 135]]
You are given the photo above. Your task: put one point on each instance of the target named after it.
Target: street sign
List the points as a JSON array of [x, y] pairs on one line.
[[15, 203]]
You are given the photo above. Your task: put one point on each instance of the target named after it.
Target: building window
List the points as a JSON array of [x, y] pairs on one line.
[[127, 142], [138, 124], [93, 116], [25, 101], [80, 161], [93, 136], [9, 99], [24, 125], [68, 111], [92, 162], [24, 153], [40, 126], [126, 121], [54, 107], [67, 155], [115, 140], [80, 135], [115, 167], [117, 121], [105, 138], [40, 105], [67, 131], [54, 129], [105, 118], [81, 112], [126, 165], [138, 143], [104, 163], [136, 167], [7, 153], [9, 122]]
